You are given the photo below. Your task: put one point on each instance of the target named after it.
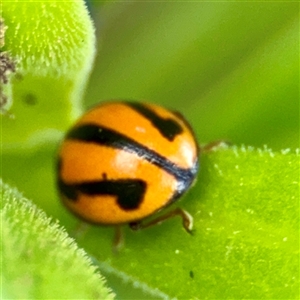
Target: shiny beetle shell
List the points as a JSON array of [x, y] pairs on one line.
[[124, 161]]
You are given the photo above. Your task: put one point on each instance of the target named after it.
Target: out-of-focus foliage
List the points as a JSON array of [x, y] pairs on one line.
[[232, 68], [52, 45], [38, 256]]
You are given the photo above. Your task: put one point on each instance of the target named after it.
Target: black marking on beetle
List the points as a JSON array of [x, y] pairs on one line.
[[192, 274], [168, 128], [67, 190], [101, 135], [129, 192]]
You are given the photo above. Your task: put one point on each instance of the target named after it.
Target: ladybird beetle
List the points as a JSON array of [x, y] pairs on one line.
[[124, 161]]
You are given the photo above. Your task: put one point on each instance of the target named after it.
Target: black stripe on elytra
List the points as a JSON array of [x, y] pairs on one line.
[[168, 128], [129, 192], [101, 135]]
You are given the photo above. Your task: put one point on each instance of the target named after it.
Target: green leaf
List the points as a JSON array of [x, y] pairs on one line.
[[52, 45], [232, 68], [39, 260], [246, 241]]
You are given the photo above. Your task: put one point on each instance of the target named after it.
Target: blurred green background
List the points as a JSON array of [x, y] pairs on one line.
[[231, 67]]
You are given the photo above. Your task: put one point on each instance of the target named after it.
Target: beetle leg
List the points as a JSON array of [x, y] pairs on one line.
[[215, 144], [80, 229], [187, 220], [118, 241]]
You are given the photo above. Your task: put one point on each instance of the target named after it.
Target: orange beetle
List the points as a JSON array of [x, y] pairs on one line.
[[124, 161]]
